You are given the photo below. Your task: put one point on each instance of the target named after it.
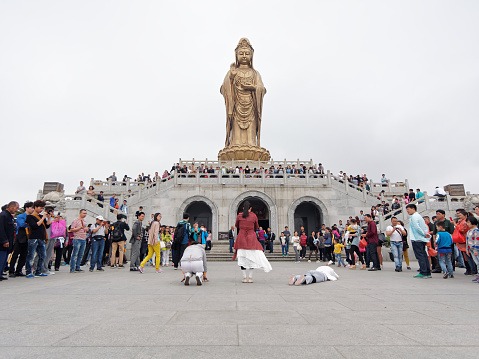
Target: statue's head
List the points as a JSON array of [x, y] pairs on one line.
[[244, 53]]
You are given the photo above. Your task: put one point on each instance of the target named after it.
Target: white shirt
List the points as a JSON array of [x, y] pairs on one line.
[[395, 236]]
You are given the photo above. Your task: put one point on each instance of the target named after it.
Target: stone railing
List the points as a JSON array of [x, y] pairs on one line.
[[390, 188], [424, 204], [252, 164]]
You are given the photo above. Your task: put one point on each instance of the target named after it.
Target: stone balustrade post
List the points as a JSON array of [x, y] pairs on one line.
[[406, 183], [92, 181], [83, 201], [140, 191], [426, 200], [109, 184], [307, 177], [329, 178], [127, 184], [448, 198]]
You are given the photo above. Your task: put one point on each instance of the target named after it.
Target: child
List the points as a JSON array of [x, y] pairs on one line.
[[337, 252], [444, 243]]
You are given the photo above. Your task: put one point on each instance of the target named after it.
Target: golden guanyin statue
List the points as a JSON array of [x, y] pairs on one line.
[[243, 91]]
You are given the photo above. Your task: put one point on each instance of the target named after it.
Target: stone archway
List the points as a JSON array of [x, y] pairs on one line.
[[201, 199], [273, 211], [311, 200]]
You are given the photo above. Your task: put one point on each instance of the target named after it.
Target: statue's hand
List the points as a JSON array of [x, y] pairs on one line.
[[249, 87]]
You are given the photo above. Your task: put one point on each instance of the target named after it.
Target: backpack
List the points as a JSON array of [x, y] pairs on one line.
[[116, 233], [179, 233]]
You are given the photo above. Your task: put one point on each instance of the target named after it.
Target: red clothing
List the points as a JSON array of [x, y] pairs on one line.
[[302, 240], [247, 233], [372, 233]]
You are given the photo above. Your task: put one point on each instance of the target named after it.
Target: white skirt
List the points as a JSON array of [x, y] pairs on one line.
[[252, 258]]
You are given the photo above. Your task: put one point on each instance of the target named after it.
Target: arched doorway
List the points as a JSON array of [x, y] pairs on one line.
[[308, 215], [200, 212], [260, 208]]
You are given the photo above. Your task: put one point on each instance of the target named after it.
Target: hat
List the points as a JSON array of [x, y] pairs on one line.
[[100, 218]]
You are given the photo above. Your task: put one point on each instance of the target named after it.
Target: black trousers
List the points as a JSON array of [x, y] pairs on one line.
[[178, 254], [373, 254], [58, 257], [328, 253], [311, 250], [67, 253], [19, 251], [355, 249]]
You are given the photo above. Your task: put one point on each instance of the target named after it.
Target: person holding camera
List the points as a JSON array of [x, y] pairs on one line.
[[37, 234]]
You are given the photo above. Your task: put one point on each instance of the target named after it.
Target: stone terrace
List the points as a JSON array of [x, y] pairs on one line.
[[128, 315]]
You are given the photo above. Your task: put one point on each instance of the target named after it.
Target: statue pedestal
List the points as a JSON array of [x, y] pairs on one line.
[[244, 153]]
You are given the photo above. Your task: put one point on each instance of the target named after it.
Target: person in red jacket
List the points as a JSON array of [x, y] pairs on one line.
[[248, 250], [373, 241]]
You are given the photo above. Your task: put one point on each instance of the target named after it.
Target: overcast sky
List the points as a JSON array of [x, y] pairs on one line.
[[91, 87]]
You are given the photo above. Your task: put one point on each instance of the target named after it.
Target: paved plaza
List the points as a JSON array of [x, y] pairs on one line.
[[121, 314]]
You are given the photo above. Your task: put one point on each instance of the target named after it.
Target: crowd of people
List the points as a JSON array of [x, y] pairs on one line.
[[439, 244], [39, 241]]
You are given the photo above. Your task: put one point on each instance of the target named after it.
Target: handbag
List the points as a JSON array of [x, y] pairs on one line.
[[299, 247], [457, 237], [431, 252], [162, 244]]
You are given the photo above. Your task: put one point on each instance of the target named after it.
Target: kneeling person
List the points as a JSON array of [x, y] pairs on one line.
[[193, 262]]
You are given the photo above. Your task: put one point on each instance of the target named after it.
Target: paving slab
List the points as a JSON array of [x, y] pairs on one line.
[[118, 313]]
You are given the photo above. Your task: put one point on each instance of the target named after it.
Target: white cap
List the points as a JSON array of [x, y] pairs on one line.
[[100, 218]]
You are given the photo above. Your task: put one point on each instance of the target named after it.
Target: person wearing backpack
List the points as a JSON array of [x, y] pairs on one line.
[[118, 240], [180, 239]]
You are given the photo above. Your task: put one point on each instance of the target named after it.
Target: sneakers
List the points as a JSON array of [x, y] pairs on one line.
[[159, 271], [476, 280], [79, 270], [244, 280], [445, 276], [41, 275], [363, 267], [91, 269], [100, 270], [121, 266], [408, 268], [31, 275], [112, 267], [420, 276], [372, 269], [140, 268], [309, 260], [250, 280], [133, 269], [12, 275], [352, 267], [330, 262]]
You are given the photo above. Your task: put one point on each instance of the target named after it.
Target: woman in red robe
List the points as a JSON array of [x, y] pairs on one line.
[[248, 250]]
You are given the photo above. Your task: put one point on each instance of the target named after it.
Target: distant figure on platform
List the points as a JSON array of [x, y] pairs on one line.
[[247, 248]]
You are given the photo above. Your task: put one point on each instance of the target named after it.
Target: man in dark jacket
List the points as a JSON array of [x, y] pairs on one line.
[[373, 242], [7, 231], [135, 241], [20, 247]]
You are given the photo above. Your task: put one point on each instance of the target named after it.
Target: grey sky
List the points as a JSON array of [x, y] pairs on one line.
[[91, 87]]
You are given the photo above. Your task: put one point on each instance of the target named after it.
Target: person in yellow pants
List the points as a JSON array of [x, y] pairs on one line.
[[153, 244]]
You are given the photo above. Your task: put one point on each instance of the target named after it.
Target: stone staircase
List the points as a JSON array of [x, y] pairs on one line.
[[220, 253]]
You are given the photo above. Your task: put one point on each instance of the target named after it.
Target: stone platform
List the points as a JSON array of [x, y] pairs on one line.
[[124, 314]]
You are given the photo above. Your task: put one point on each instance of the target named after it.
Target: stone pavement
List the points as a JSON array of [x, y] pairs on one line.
[[122, 314]]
